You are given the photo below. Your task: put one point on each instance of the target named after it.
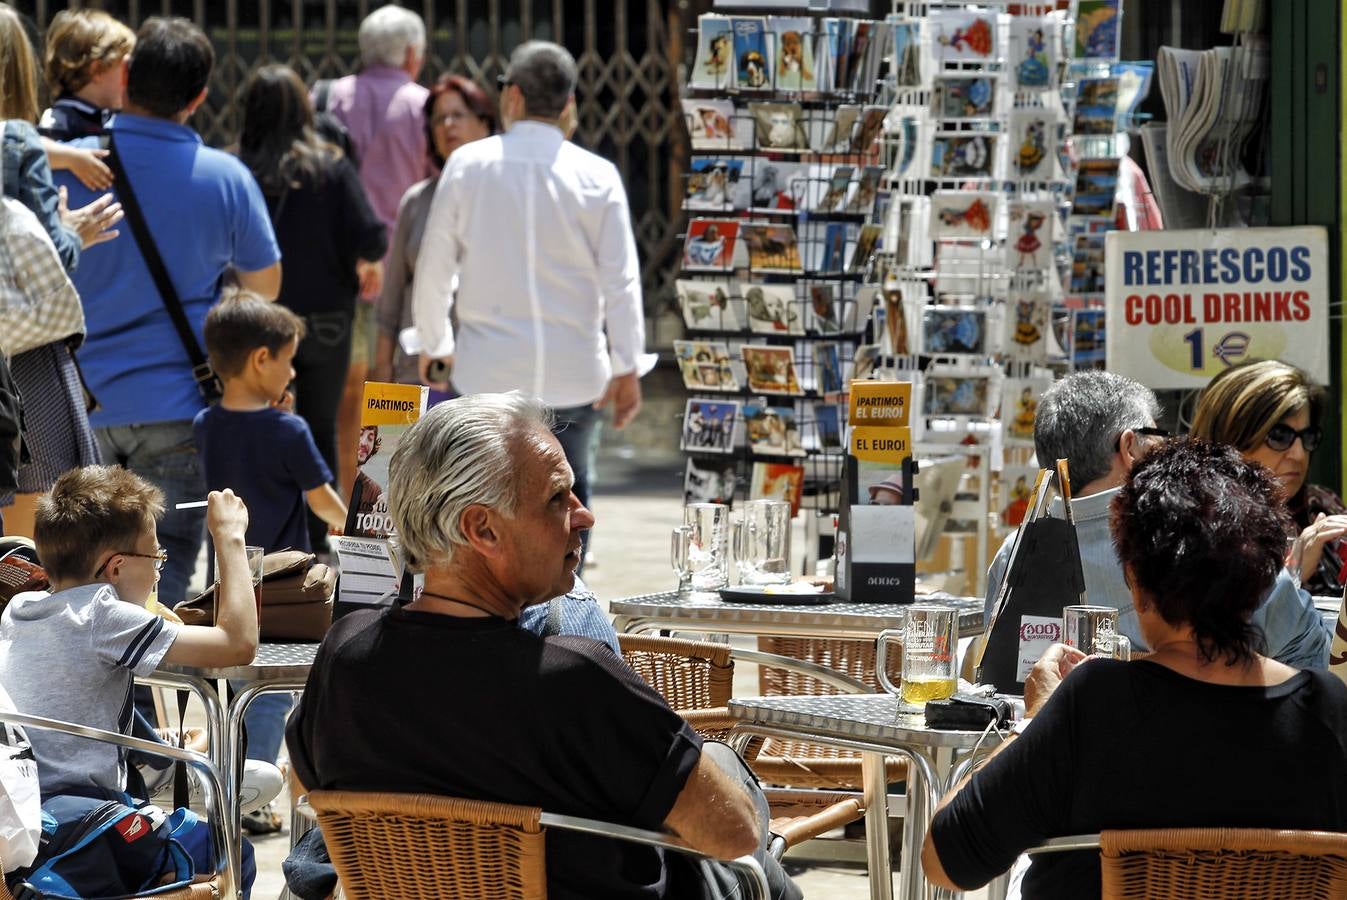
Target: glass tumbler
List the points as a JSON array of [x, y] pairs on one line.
[[762, 542], [1093, 630]]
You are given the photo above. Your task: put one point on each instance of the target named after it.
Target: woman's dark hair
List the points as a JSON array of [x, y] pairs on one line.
[[278, 142], [1203, 532], [474, 98]]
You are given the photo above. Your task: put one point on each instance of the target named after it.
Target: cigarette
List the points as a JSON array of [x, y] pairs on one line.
[[192, 504]]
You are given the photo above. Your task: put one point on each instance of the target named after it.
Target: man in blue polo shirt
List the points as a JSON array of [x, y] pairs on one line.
[[207, 217]]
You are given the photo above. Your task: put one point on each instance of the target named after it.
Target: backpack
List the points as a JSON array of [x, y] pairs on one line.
[[106, 850]]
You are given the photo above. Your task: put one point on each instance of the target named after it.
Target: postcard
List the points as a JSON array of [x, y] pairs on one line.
[[752, 54], [771, 370], [771, 248], [1029, 234], [1097, 24], [778, 481], [705, 365], [716, 184], [1087, 264], [779, 127], [963, 97], [907, 54], [710, 481], [839, 131], [953, 329], [795, 43], [715, 53], [871, 124], [962, 214], [838, 183], [866, 245], [708, 426], [828, 368], [1096, 106], [964, 37], [772, 308], [896, 340], [710, 244], [1087, 336], [958, 395], [862, 200], [865, 362], [1096, 185], [962, 156], [1026, 327], [706, 305], [1033, 52], [834, 247], [1017, 492], [776, 185], [772, 430], [824, 318], [1033, 144], [828, 426], [1019, 403], [710, 124]]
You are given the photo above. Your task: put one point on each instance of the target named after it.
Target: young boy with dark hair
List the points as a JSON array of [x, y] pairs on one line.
[[247, 442], [72, 654]]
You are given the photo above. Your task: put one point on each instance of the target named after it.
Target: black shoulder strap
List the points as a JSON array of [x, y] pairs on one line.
[[321, 88], [201, 370]]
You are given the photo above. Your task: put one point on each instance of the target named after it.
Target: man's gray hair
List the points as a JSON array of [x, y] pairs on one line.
[[464, 451], [386, 34], [1081, 417], [545, 74]]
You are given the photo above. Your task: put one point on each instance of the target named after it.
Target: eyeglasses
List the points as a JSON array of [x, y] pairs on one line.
[[1147, 431], [452, 117], [159, 559], [1281, 437]]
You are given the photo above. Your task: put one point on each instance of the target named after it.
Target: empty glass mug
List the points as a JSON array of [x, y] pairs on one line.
[[700, 548], [930, 639], [762, 542], [1093, 630]]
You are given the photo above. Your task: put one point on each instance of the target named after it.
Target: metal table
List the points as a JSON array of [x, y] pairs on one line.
[[708, 613], [870, 724]]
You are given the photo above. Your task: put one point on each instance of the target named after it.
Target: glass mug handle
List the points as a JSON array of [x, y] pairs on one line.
[[678, 555], [1122, 647], [886, 636]]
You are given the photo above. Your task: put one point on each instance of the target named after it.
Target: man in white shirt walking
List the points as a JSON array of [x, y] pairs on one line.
[[537, 233]]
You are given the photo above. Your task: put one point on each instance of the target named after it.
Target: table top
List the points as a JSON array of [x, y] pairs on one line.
[[872, 718], [707, 606], [273, 662]]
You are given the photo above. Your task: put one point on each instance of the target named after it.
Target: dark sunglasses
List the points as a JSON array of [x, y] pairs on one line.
[[1147, 432], [1281, 437]]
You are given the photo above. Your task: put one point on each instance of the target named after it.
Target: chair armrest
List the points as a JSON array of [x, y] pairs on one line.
[[750, 867], [714, 723], [1067, 843], [844, 683], [226, 862]]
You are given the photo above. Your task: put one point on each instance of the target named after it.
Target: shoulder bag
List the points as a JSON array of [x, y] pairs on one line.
[[296, 598]]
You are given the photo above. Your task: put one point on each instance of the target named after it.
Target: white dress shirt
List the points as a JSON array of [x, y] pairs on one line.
[[538, 234]]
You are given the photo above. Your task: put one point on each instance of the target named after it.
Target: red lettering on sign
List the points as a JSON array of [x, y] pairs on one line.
[[1282, 304], [1132, 310], [1302, 301], [1211, 307]]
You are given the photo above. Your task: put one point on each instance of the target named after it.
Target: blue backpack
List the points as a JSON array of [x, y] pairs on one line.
[[105, 850]]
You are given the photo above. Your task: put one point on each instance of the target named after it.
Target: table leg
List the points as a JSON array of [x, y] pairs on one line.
[[923, 795], [877, 826]]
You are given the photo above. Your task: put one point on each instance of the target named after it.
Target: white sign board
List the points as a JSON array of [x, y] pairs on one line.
[[1185, 305]]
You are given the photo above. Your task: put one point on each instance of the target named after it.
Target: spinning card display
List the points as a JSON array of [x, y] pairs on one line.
[[1033, 51], [716, 184], [771, 370], [1026, 328], [778, 481], [958, 395], [771, 430], [1097, 23], [708, 426], [772, 308], [779, 126], [752, 54], [963, 97], [705, 365], [709, 481], [953, 329], [1029, 233], [1096, 106], [794, 69], [1096, 185], [710, 244], [1033, 144], [962, 156], [706, 305], [714, 65], [711, 125], [962, 214], [964, 37]]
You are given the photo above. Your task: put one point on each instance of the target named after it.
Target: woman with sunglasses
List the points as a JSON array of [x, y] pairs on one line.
[[1272, 412]]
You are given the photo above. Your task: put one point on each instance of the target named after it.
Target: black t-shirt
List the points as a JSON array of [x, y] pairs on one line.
[[1137, 745], [479, 708]]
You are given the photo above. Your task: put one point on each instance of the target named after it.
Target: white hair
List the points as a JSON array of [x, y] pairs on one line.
[[459, 454], [386, 34]]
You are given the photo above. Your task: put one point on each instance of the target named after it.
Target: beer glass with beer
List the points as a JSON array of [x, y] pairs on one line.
[[929, 639]]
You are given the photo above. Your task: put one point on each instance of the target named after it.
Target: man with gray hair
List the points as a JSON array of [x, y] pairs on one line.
[[1101, 424], [481, 495], [537, 235]]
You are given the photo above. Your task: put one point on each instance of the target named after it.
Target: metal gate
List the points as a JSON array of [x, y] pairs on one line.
[[627, 93]]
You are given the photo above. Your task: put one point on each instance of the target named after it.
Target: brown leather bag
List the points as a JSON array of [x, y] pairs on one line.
[[296, 598]]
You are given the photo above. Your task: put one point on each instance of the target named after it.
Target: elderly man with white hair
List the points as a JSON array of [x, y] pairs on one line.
[[448, 696]]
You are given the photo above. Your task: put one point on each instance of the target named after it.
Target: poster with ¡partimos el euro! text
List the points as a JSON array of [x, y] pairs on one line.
[[1185, 305]]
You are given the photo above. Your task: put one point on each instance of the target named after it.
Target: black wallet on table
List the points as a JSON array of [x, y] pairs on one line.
[[967, 712]]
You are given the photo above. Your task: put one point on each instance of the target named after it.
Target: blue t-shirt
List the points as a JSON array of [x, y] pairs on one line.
[[269, 459], [206, 213]]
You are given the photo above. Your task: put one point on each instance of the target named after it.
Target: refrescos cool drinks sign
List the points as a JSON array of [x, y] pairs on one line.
[[1185, 305]]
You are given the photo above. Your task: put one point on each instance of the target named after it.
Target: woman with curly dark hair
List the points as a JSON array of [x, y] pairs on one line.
[[1168, 740]]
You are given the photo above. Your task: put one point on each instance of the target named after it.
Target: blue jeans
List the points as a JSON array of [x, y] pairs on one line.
[[265, 725], [575, 429], [164, 454]]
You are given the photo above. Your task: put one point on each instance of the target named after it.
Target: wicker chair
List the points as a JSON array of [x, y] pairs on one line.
[[423, 847], [1216, 863], [221, 885]]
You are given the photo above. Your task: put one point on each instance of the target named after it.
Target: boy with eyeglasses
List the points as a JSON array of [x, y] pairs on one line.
[[72, 654]]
